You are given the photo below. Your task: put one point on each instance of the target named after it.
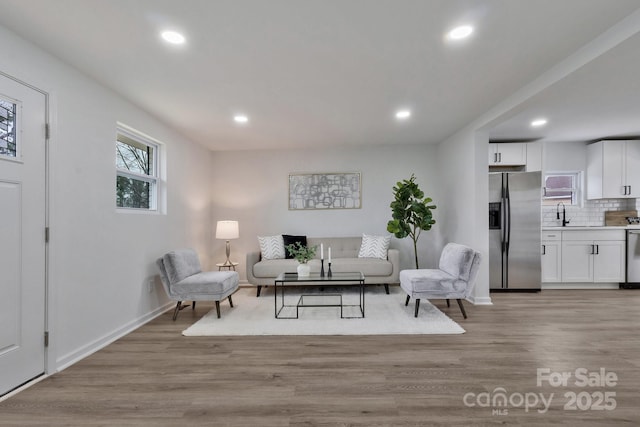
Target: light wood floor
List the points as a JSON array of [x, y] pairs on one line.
[[155, 376]]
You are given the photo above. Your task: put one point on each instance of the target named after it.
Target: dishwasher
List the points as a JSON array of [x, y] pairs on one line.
[[633, 258]]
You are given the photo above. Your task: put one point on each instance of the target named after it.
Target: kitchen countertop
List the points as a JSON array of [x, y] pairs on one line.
[[592, 227]]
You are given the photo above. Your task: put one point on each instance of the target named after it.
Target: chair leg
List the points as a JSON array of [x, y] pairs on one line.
[[230, 301], [417, 307], [258, 293], [406, 303], [448, 303], [386, 288], [177, 310], [464, 314], [218, 308]]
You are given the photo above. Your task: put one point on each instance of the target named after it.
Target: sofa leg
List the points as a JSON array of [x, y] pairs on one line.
[[386, 288], [218, 308], [406, 303], [464, 314], [230, 301], [258, 293], [417, 307], [448, 303], [177, 310]]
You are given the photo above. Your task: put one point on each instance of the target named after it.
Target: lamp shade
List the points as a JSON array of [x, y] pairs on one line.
[[227, 230]]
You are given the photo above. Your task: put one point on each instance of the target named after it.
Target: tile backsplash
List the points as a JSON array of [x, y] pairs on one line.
[[591, 214]]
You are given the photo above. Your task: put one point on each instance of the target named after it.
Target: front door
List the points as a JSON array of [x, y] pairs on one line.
[[22, 233]]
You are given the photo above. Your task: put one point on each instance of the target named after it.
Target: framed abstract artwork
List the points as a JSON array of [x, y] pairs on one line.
[[332, 190]]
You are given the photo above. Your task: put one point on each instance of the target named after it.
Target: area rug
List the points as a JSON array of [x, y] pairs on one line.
[[385, 315]]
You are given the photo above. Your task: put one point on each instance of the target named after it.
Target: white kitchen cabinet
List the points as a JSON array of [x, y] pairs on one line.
[[613, 169], [596, 256], [508, 154], [551, 257], [534, 156]]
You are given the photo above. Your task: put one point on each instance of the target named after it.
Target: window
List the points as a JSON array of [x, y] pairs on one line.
[[8, 140], [561, 187], [136, 171]]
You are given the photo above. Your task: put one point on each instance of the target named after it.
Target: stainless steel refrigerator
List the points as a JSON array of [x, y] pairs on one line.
[[514, 231]]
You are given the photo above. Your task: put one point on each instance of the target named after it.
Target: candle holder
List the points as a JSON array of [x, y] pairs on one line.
[[321, 268], [329, 273]]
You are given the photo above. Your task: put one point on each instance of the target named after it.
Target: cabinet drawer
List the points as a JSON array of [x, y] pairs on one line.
[[551, 235], [593, 235]]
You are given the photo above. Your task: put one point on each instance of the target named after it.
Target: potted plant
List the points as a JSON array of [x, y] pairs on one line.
[[302, 254], [411, 212]]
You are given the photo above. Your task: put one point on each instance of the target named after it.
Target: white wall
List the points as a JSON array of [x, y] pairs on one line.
[[252, 187], [101, 260], [463, 173]]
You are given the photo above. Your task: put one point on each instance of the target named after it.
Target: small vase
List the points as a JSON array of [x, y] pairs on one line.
[[304, 269]]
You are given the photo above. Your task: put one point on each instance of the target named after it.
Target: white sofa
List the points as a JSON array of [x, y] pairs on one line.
[[344, 258]]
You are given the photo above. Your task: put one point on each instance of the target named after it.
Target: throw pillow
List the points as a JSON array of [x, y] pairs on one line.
[[289, 239], [271, 247], [374, 246]]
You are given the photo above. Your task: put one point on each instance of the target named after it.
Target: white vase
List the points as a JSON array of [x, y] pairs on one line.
[[304, 270]]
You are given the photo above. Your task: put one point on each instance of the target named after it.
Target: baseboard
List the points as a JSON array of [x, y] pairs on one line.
[[480, 300], [580, 286], [96, 345]]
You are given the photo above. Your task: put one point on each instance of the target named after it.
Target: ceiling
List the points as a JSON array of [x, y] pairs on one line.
[[327, 73]]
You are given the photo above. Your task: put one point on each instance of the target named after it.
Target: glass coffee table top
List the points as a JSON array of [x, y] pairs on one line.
[[316, 277]]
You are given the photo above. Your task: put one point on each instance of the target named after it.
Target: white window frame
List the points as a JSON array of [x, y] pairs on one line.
[[154, 178], [577, 190]]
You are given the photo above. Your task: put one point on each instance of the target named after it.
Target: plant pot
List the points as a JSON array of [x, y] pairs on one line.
[[304, 270]]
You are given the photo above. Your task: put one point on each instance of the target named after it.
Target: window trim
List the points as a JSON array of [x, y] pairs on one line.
[[577, 191], [155, 178]]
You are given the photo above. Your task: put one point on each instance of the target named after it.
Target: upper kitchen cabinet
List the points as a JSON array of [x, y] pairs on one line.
[[507, 154], [613, 169], [522, 156]]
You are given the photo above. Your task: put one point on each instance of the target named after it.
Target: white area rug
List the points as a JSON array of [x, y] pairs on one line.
[[385, 315]]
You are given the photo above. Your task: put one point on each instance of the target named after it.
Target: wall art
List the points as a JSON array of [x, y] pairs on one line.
[[325, 191]]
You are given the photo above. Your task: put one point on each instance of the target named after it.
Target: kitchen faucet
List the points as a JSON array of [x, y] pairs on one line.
[[564, 214]]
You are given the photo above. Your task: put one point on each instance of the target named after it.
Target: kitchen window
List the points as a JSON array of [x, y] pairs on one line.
[[136, 171], [561, 187]]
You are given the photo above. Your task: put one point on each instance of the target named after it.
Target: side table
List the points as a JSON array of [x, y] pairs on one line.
[[222, 266]]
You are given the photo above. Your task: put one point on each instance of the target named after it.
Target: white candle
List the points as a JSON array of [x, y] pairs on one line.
[[329, 254], [321, 251]]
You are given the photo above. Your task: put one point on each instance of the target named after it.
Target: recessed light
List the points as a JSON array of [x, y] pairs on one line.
[[538, 122], [460, 32], [173, 37], [240, 118], [403, 114]]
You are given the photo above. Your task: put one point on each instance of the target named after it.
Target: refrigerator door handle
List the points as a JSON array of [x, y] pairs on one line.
[[508, 218]]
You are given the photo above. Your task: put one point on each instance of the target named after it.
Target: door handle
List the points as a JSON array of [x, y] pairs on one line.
[[597, 249], [544, 249], [499, 157], [593, 250]]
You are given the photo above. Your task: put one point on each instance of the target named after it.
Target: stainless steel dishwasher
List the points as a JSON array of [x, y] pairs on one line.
[[633, 258]]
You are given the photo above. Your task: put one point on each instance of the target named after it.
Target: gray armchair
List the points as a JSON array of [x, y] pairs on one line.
[[184, 280], [454, 279]]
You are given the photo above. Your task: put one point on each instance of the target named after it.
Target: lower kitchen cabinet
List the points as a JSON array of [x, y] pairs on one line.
[[551, 257], [596, 256]]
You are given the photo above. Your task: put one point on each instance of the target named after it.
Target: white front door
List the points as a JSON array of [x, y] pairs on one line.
[[22, 233]]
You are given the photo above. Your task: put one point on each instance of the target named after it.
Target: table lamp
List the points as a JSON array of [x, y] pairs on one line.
[[227, 230]]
